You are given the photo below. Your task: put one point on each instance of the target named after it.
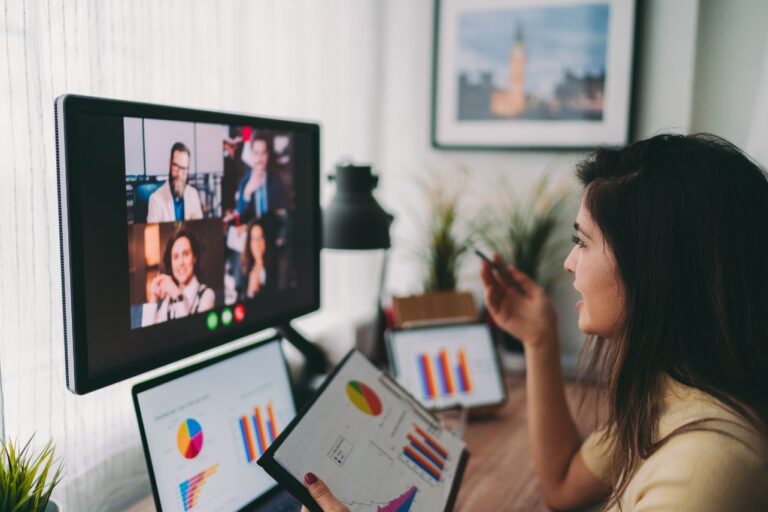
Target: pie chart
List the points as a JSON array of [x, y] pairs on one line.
[[364, 398], [190, 438]]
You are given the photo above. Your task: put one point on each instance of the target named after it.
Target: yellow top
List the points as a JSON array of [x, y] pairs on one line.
[[698, 471]]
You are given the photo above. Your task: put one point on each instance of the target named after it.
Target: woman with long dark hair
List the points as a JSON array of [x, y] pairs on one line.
[[670, 258], [177, 293]]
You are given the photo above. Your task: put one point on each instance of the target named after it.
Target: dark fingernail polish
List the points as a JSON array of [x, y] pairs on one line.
[[310, 478]]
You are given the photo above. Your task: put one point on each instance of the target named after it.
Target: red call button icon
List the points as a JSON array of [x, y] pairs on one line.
[[239, 313]]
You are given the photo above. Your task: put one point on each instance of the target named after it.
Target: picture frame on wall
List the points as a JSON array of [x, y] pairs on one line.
[[536, 74]]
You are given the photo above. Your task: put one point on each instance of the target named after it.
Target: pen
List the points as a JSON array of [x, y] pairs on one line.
[[501, 271]]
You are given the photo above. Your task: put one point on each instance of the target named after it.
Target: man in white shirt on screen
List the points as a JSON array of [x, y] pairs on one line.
[[175, 200]]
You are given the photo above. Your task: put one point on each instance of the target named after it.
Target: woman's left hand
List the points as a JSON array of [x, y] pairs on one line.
[[322, 495]]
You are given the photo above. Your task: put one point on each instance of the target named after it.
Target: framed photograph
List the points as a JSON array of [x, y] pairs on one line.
[[532, 73]]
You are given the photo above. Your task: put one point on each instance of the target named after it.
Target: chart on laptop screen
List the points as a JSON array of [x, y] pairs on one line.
[[446, 365], [205, 430]]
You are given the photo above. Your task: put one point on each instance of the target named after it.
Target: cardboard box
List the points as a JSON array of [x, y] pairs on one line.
[[434, 308]]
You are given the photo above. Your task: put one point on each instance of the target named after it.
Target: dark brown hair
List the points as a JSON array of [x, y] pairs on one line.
[[269, 143], [686, 218], [247, 260], [177, 146], [193, 243]]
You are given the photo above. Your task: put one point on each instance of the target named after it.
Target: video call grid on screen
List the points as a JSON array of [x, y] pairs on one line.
[[212, 424], [125, 252], [443, 366], [208, 206]]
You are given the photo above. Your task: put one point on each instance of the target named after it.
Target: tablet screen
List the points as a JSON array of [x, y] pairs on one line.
[[447, 365], [372, 444]]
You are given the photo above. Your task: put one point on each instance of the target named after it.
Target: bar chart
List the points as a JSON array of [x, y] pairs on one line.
[[258, 429], [190, 489], [442, 375], [402, 503], [425, 453]]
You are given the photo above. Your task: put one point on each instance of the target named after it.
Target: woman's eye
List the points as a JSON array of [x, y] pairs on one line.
[[576, 240]]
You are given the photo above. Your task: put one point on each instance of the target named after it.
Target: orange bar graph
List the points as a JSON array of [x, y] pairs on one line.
[[464, 368], [272, 422], [262, 432], [446, 370], [430, 376], [431, 442], [249, 438], [431, 455]]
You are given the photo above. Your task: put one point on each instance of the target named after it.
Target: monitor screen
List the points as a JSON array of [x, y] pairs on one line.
[[448, 365], [204, 428], [181, 230]]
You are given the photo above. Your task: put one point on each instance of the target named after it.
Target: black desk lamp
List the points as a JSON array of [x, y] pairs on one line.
[[355, 221]]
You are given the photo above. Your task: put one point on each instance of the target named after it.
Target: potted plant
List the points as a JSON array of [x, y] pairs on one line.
[[527, 233], [444, 242], [447, 237], [27, 479]]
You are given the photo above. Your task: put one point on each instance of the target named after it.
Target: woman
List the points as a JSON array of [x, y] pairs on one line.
[[254, 277], [179, 294], [674, 285]]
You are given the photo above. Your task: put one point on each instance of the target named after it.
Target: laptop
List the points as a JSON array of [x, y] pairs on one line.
[[448, 365], [204, 427]]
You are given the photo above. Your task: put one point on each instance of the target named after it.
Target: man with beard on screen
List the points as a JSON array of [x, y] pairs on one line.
[[175, 200]]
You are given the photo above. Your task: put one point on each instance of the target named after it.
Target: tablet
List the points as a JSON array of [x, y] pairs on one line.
[[372, 443], [448, 365]]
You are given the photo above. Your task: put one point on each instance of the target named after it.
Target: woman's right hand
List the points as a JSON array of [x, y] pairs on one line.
[[531, 317], [322, 495], [161, 287]]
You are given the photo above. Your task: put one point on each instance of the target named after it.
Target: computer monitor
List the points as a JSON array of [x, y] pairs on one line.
[[203, 429], [180, 230]]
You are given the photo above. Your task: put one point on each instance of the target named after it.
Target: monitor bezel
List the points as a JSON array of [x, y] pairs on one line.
[[168, 377], [79, 379]]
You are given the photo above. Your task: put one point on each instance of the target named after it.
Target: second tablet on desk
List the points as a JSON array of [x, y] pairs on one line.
[[446, 365]]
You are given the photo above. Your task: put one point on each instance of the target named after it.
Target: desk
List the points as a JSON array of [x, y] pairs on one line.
[[500, 474]]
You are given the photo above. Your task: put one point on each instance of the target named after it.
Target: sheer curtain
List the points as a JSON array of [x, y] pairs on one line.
[[300, 59]]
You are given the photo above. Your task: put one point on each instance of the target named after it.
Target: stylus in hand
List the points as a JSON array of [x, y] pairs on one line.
[[501, 271]]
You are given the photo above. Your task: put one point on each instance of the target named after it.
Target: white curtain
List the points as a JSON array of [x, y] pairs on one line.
[[304, 59]]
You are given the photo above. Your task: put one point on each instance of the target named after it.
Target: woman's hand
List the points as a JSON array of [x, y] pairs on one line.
[[531, 317], [254, 281], [322, 495], [161, 287]]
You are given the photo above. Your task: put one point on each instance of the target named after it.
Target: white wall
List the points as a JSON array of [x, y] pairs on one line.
[[733, 37], [664, 102]]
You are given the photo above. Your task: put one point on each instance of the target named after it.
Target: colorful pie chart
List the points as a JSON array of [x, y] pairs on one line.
[[190, 438], [364, 398]]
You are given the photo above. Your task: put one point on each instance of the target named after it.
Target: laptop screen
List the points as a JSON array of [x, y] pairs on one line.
[[204, 430], [447, 365]]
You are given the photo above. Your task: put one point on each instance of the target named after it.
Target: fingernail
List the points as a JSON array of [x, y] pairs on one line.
[[310, 478]]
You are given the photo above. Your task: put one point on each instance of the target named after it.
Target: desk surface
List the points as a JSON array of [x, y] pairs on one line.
[[500, 474]]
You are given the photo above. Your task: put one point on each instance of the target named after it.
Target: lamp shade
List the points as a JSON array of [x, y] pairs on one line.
[[354, 219]]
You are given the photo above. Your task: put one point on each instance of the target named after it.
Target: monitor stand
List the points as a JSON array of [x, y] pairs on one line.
[[316, 360]]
